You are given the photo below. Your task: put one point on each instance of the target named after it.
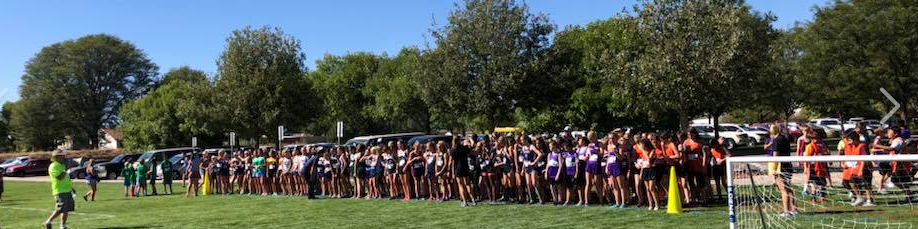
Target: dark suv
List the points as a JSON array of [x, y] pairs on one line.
[[112, 169]]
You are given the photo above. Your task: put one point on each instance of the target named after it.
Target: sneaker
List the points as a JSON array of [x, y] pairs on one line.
[[883, 191], [785, 214], [793, 213], [613, 206], [656, 208], [462, 205], [621, 206], [47, 225], [858, 202], [889, 184]]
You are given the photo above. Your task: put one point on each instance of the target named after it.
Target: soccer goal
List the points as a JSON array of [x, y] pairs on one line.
[[776, 192]]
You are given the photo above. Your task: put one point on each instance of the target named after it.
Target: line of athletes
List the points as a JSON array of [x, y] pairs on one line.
[[621, 169]]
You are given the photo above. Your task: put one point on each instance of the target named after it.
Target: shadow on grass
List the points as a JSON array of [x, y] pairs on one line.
[[129, 227], [833, 212]]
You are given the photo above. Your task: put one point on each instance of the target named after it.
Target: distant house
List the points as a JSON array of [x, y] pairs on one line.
[[109, 139]]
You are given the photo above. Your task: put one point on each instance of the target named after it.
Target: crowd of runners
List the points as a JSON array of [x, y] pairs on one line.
[[620, 169]]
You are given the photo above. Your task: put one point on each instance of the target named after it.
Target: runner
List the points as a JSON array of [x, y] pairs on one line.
[[91, 179], [853, 171], [166, 167]]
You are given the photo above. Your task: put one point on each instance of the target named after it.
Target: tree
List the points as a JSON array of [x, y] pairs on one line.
[[482, 57], [260, 83], [168, 116], [85, 81], [853, 48], [34, 124], [394, 89], [183, 73], [700, 54], [340, 81], [6, 138]]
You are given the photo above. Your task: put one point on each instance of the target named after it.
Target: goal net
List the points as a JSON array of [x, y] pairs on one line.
[[822, 192]]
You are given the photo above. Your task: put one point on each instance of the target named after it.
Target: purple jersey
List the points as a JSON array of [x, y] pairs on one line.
[[570, 163], [553, 164]]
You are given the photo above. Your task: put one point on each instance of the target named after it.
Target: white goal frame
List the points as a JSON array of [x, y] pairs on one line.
[[827, 158]]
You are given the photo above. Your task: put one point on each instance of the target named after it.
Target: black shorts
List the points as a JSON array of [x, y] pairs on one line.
[[718, 171], [901, 180], [64, 202], [570, 181], [885, 168], [680, 171], [272, 172], [648, 174], [855, 181], [784, 178], [817, 180]]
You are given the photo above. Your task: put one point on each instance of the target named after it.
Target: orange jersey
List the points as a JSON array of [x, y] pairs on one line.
[[719, 154], [671, 150], [693, 156], [815, 168], [853, 169]]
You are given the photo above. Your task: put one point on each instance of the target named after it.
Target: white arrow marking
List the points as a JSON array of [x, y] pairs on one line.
[[894, 109]]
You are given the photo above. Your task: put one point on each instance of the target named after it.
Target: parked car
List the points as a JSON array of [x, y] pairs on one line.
[[755, 136], [324, 145], [831, 123], [166, 153], [79, 171], [732, 137], [374, 140], [15, 161], [428, 138], [31, 166], [112, 169]]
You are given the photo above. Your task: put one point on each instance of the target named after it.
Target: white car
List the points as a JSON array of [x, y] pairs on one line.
[[15, 161], [732, 138], [756, 136], [830, 123]]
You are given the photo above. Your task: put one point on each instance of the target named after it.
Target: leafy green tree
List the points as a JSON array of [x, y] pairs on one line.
[[183, 73], [34, 124], [394, 92], [6, 138], [853, 48], [168, 116], [76, 87], [481, 59], [700, 54], [260, 83], [340, 81]]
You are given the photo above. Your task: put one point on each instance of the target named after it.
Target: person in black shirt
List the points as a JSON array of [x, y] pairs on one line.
[[780, 147], [459, 163]]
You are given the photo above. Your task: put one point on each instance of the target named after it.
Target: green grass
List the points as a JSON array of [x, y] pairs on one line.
[[27, 204]]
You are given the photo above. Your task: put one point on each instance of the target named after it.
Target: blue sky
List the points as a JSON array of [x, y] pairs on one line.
[[175, 33]]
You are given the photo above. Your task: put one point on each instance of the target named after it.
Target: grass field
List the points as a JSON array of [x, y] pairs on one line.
[[27, 204]]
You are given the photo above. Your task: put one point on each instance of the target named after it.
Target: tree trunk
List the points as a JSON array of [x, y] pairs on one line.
[[716, 124], [683, 121]]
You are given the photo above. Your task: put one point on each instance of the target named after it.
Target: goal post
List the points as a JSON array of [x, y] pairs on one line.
[[753, 203]]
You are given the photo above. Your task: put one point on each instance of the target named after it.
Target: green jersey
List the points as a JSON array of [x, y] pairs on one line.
[[166, 166], [259, 163], [141, 171], [128, 172]]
